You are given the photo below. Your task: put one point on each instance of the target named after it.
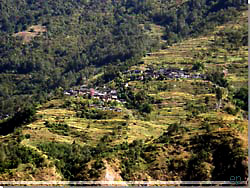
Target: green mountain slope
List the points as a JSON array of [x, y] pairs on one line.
[[45, 45], [184, 118]]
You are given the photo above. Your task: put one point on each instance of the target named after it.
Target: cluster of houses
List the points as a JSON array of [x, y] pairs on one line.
[[162, 74], [104, 94]]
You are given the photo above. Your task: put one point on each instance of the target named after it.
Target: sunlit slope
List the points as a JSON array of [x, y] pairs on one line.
[[181, 138]]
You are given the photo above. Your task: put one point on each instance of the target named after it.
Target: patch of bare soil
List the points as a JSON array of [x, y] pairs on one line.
[[112, 174], [31, 32]]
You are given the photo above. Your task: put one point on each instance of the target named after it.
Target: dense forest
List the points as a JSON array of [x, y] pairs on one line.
[[82, 38]]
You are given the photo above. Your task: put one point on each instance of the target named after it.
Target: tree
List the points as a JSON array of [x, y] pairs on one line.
[[147, 108], [206, 100], [198, 66], [241, 98], [218, 92], [218, 78]]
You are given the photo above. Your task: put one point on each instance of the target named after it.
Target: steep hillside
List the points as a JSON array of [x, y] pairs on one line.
[[179, 113], [78, 39]]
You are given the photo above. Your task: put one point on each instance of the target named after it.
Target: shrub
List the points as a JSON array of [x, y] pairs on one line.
[[231, 110], [98, 164], [198, 66], [218, 78], [147, 108], [241, 98], [27, 136]]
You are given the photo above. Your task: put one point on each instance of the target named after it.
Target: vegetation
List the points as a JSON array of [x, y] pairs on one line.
[[83, 37], [20, 118], [60, 128], [13, 154], [241, 98], [179, 69], [69, 159], [207, 160]]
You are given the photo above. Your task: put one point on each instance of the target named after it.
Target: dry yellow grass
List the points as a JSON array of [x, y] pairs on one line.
[[56, 112], [43, 134]]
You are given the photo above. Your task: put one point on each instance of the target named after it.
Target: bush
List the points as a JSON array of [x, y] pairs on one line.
[[98, 164], [241, 98], [198, 66], [222, 154], [59, 128], [147, 108], [218, 78], [27, 136], [231, 110]]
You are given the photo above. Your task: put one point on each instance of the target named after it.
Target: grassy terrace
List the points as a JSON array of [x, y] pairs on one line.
[[83, 130]]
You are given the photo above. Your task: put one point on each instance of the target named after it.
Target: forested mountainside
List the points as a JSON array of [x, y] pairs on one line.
[[124, 90], [46, 45]]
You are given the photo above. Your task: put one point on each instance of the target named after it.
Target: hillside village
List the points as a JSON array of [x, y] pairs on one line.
[[105, 94], [161, 74]]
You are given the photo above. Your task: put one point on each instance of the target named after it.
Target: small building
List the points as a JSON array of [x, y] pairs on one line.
[[67, 93], [114, 97], [113, 92]]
